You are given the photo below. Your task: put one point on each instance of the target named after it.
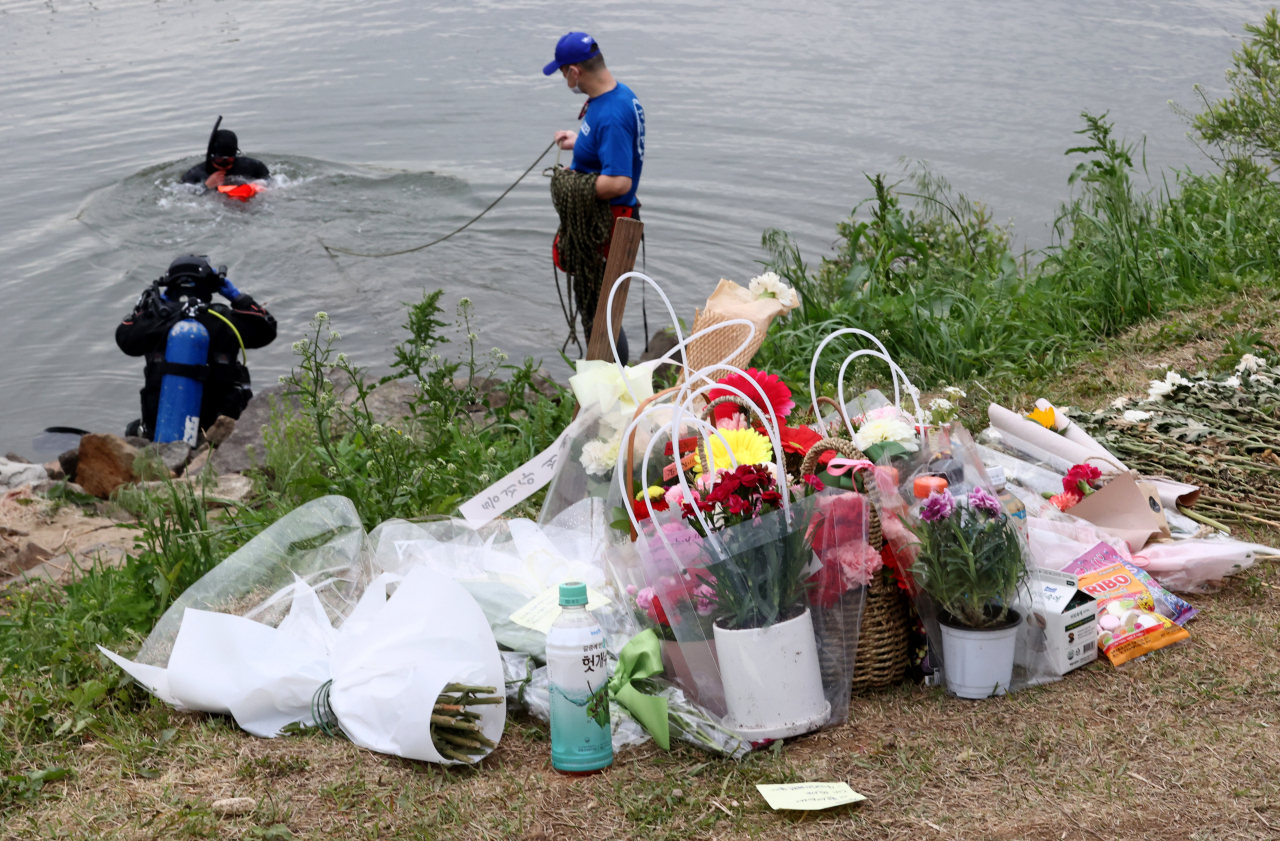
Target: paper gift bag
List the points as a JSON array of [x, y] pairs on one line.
[[1126, 508], [730, 301]]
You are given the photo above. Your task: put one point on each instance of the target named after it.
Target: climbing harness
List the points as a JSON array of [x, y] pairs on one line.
[[332, 249]]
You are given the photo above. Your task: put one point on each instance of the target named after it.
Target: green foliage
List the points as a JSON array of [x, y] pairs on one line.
[[940, 285], [1243, 129], [461, 426]]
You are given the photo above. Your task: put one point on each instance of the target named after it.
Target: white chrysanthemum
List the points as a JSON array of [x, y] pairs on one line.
[[885, 430], [769, 285], [599, 457], [1134, 416], [1232, 381], [1120, 402], [1159, 388], [954, 392], [1250, 363]]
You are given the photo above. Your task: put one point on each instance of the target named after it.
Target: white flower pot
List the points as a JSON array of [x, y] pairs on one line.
[[772, 684], [979, 663]]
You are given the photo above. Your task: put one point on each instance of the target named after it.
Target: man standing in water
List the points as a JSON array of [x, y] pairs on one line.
[[610, 143]]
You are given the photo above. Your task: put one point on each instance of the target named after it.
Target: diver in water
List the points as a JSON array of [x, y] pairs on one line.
[[223, 163], [187, 290]]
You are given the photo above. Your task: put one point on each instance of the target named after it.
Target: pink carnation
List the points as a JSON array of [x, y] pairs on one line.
[[858, 562]]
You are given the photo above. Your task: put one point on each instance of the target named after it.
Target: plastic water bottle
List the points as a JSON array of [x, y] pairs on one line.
[[578, 668]]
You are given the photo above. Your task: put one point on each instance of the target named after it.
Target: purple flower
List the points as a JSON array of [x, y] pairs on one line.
[[939, 506], [981, 500]]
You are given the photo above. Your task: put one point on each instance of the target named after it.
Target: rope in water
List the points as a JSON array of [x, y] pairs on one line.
[[332, 249]]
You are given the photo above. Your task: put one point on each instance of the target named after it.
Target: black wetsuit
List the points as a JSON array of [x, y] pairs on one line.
[[145, 331], [246, 169]]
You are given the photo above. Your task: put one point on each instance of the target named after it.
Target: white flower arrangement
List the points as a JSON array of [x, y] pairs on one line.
[[887, 430], [600, 456], [769, 285]]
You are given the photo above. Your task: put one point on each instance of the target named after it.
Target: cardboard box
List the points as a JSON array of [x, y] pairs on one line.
[[1069, 617]]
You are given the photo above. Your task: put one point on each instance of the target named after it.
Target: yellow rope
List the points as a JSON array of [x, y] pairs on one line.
[[244, 357]]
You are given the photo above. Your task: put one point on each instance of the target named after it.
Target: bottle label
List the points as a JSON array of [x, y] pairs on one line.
[[581, 736]]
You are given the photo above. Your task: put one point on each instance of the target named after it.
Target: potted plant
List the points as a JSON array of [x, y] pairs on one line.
[[969, 562], [756, 569]]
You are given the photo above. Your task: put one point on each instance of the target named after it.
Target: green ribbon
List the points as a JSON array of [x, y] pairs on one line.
[[642, 658]]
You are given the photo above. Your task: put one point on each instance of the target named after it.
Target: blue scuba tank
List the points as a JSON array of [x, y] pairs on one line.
[[178, 418]]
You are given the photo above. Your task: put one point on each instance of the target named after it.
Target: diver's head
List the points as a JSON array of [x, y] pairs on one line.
[[191, 276], [223, 149]]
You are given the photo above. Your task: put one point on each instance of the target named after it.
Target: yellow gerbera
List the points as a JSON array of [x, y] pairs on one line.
[[1045, 417], [748, 446]]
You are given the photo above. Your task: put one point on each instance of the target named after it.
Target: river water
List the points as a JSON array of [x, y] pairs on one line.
[[391, 122]]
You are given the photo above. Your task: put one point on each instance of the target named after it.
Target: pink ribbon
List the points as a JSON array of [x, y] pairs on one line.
[[840, 466]]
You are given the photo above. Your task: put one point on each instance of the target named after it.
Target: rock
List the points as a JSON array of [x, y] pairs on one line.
[[234, 806], [15, 474], [14, 457], [173, 455], [136, 441], [220, 431], [234, 455], [659, 344], [388, 402], [232, 488], [54, 470], [68, 461], [198, 460], [29, 556], [106, 463]]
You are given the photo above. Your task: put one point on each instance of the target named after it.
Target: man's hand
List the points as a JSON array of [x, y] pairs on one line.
[[215, 180], [566, 139], [612, 186]]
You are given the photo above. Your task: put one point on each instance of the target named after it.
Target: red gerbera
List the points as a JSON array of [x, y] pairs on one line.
[[798, 439], [775, 391]]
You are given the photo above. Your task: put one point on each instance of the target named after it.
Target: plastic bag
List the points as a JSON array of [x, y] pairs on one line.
[[385, 667], [950, 453]]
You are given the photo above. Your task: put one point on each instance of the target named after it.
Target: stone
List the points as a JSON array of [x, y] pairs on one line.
[[29, 556], [173, 455], [234, 806], [136, 441], [234, 455], [198, 460], [68, 460], [55, 471], [659, 344], [14, 457], [220, 431], [388, 402], [231, 488], [15, 474], [106, 463]]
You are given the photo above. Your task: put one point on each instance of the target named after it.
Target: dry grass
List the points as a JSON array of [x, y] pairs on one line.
[[1182, 744]]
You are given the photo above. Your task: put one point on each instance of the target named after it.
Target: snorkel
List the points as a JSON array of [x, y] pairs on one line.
[[213, 135]]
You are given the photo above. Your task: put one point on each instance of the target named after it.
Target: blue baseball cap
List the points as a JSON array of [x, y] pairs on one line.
[[571, 49]]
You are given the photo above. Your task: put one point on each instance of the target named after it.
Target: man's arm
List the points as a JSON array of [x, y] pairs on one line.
[[612, 186], [146, 328]]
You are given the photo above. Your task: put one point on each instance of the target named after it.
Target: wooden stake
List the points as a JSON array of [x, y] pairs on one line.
[[623, 248]]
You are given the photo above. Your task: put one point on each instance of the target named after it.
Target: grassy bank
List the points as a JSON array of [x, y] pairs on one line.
[[1145, 273]]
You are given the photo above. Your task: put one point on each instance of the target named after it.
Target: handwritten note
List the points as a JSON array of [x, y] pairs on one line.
[[516, 486], [808, 796], [544, 608]]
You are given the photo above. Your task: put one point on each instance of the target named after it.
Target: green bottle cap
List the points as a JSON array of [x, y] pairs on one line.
[[573, 593]]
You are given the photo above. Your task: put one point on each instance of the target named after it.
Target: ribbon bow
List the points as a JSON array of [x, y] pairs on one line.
[[641, 658], [839, 466]]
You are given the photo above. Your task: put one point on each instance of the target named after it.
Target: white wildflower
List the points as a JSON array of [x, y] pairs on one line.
[[1159, 388], [884, 430], [322, 316], [1134, 416], [599, 456], [1232, 381], [954, 392], [769, 285], [342, 359], [1250, 363], [941, 404], [1120, 402]]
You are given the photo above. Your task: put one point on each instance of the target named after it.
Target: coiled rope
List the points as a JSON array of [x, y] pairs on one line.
[[333, 249], [586, 223]]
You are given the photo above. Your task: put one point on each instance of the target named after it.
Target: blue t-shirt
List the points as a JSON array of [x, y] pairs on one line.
[[611, 139]]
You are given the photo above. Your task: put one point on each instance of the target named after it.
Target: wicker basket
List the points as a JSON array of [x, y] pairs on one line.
[[882, 643]]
